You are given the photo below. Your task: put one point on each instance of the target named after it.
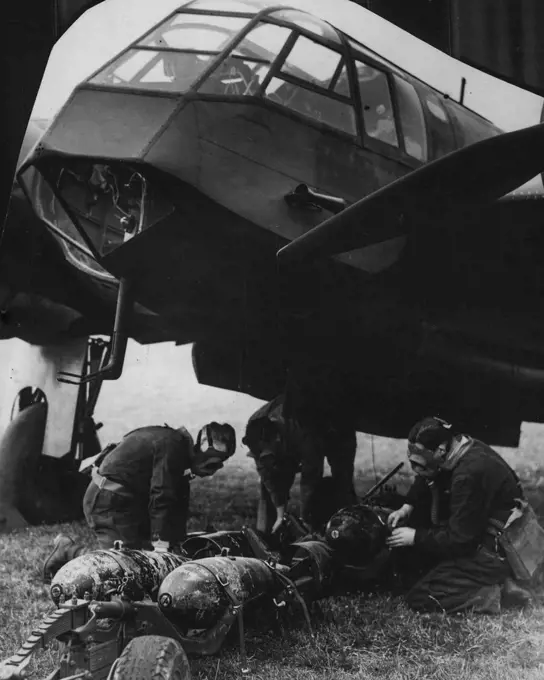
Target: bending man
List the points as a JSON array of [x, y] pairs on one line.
[[140, 488], [282, 443]]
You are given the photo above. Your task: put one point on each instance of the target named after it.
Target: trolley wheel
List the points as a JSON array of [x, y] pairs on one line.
[[152, 657]]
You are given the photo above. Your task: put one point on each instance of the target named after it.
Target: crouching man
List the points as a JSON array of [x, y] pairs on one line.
[[461, 485], [140, 489]]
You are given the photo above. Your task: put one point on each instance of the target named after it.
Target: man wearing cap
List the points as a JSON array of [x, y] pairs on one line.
[[284, 441], [461, 483], [140, 488]]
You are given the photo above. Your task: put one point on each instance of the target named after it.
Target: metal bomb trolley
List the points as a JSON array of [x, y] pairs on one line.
[[131, 614]]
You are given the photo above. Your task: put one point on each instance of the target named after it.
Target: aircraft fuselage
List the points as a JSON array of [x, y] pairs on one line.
[[171, 167]]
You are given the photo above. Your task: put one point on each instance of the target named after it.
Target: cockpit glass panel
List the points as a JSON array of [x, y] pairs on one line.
[[308, 23], [313, 105], [94, 208], [136, 61], [155, 70], [198, 32], [243, 71], [264, 42], [185, 46], [412, 119], [315, 66], [312, 62], [378, 116], [341, 86], [235, 76], [111, 203], [51, 212]]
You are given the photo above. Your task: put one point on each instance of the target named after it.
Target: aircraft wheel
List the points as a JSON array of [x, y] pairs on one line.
[[152, 657]]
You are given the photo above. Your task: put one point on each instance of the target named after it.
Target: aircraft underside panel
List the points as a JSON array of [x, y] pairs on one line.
[[385, 405]]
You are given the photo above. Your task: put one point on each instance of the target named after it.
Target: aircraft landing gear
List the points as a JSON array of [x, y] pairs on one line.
[[49, 431]]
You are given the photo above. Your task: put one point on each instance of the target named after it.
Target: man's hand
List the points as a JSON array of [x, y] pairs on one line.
[[401, 538], [398, 516], [280, 512], [161, 546]]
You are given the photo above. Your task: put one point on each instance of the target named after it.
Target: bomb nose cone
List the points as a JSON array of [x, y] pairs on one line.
[[87, 573], [195, 594], [103, 570], [192, 596], [356, 534]]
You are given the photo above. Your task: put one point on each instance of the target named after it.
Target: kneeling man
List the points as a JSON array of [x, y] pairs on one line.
[[461, 485]]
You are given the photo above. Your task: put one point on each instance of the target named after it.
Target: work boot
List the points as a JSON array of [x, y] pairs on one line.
[[486, 601], [515, 596], [64, 550]]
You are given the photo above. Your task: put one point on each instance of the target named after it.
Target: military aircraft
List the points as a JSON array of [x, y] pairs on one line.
[[153, 205]]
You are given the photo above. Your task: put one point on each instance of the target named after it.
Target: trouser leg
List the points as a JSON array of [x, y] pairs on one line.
[[176, 527], [115, 517], [311, 473], [112, 517], [266, 512], [339, 449], [341, 459], [97, 508], [468, 583]]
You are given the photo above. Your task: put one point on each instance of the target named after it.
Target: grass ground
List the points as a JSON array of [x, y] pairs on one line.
[[370, 637], [359, 637]]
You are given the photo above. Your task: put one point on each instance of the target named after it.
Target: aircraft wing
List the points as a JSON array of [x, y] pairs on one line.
[[470, 177]]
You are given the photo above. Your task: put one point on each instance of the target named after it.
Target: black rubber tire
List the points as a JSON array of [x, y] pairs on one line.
[[152, 657]]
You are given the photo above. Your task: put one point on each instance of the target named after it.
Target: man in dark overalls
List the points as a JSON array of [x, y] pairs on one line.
[[284, 441], [140, 489], [460, 485]]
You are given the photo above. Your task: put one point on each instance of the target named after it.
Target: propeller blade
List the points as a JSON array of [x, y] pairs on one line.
[[476, 174]]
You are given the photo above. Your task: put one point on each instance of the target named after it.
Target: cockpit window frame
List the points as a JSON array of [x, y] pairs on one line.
[[336, 75], [219, 12], [135, 44], [341, 46], [358, 52], [275, 71], [254, 21], [264, 15]]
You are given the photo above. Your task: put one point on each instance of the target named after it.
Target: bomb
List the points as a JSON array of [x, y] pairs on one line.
[[101, 571], [197, 594], [357, 534]]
